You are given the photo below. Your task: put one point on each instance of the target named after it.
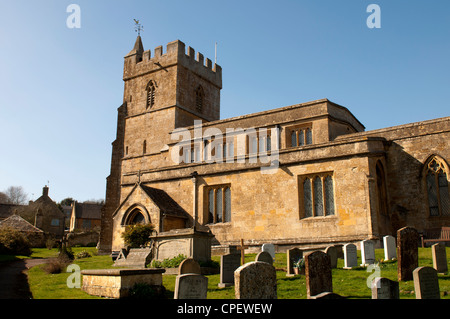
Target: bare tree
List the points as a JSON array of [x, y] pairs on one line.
[[3, 198], [16, 195]]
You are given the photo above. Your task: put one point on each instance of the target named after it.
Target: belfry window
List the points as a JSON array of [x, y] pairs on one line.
[[316, 195], [299, 136], [199, 98], [150, 94], [436, 179], [219, 204]]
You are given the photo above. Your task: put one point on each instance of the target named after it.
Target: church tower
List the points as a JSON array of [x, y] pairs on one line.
[[162, 92]]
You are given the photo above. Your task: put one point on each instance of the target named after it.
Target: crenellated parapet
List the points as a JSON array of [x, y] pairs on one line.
[[139, 62]]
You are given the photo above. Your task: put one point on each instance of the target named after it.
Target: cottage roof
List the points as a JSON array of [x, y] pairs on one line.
[[88, 210], [18, 223]]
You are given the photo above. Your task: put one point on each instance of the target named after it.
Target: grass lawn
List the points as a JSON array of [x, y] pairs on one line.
[[348, 283]]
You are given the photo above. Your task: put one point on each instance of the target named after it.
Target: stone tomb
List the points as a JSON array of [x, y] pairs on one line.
[[350, 256], [318, 273], [116, 283], [426, 284], [407, 248], [135, 258], [228, 264], [264, 256], [367, 252], [439, 258], [270, 248], [383, 288], [292, 256], [191, 286], [255, 280], [390, 248], [331, 251]]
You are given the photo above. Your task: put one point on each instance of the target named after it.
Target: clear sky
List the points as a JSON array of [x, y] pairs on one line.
[[60, 87]]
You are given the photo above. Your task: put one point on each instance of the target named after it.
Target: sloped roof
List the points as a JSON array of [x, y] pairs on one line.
[[88, 210], [18, 223], [166, 204]]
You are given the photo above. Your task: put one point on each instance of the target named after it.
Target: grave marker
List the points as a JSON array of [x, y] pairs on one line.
[[318, 273], [228, 264], [242, 248], [407, 247], [191, 286], [270, 248], [367, 252], [383, 288], [255, 280], [439, 258], [350, 256], [189, 266], [264, 256], [331, 251], [390, 248], [426, 284]]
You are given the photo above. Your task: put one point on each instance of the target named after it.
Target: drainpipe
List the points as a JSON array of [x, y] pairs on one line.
[[194, 199]]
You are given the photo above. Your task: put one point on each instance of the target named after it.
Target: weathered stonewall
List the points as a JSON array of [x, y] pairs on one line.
[[255, 280], [407, 247]]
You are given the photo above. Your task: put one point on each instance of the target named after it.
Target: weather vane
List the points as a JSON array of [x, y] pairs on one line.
[[138, 27]]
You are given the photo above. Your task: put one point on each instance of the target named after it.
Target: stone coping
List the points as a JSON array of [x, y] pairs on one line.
[[123, 271]]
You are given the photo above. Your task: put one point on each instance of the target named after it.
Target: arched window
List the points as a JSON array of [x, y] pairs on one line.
[[199, 98], [150, 94], [317, 195], [136, 217], [436, 179]]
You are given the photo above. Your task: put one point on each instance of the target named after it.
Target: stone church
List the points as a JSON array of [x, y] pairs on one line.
[[304, 175]]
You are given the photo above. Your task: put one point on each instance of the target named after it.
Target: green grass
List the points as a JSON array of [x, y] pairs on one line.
[[348, 283]]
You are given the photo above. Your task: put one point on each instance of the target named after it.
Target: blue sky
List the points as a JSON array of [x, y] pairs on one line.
[[60, 87]]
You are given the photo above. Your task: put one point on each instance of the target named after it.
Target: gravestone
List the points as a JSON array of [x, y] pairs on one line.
[[350, 256], [264, 256], [292, 256], [189, 266], [228, 264], [191, 286], [136, 258], [390, 248], [439, 258], [367, 252], [270, 248], [318, 273], [426, 284], [255, 280], [407, 248], [383, 288], [331, 251]]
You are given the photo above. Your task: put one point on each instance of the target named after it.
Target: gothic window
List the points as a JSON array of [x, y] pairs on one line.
[[316, 195], [136, 217], [437, 184], [150, 94], [219, 204], [301, 135], [199, 99]]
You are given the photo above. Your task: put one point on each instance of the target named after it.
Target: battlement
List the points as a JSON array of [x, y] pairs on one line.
[[138, 61]]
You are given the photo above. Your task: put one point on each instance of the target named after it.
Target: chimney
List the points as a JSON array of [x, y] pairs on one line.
[[45, 191]]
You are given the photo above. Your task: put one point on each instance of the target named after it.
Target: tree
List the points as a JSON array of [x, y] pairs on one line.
[[16, 195], [67, 201], [3, 198]]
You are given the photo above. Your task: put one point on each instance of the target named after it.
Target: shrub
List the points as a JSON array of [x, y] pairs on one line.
[[168, 262], [55, 266], [137, 235], [83, 254], [14, 242]]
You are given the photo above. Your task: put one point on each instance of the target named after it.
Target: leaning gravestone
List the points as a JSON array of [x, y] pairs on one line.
[[228, 264], [331, 251], [136, 258], [264, 256], [383, 288], [390, 248], [191, 286], [255, 280], [292, 256], [407, 247], [439, 258], [367, 252], [350, 256], [270, 248], [189, 266], [426, 284], [318, 273]]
